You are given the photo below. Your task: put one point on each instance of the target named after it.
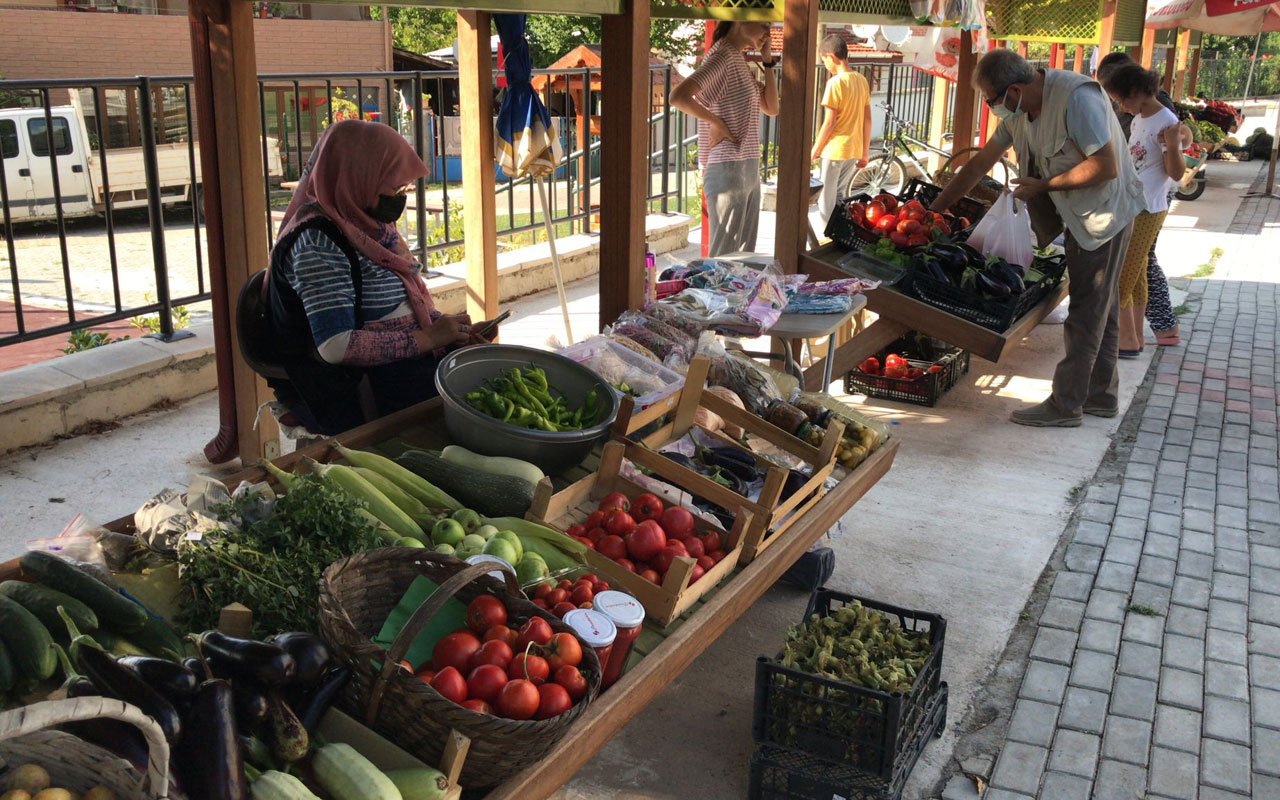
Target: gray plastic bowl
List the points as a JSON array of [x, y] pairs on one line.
[[465, 370]]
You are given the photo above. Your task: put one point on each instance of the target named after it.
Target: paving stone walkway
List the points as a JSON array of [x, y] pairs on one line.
[[1155, 669]]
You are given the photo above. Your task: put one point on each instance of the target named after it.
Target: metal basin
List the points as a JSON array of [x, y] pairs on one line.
[[465, 370]]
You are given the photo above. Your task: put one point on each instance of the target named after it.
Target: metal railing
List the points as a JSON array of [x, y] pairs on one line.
[[1229, 78]]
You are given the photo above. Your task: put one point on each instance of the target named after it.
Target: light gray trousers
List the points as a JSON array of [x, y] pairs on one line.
[[732, 192]]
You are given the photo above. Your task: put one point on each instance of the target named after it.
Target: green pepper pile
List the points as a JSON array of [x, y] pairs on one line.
[[857, 645], [524, 398]]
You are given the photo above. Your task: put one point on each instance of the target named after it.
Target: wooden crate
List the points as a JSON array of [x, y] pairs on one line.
[[770, 514], [662, 602]]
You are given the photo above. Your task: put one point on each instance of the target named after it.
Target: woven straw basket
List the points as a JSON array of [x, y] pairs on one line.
[[987, 191], [357, 594], [75, 764]]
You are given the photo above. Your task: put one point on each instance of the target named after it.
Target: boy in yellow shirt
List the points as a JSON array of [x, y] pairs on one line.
[[845, 136]]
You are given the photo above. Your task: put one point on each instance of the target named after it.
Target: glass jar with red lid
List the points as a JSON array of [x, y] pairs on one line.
[[595, 630], [627, 615]]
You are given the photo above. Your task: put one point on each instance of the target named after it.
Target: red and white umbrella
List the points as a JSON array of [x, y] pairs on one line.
[[1221, 17]]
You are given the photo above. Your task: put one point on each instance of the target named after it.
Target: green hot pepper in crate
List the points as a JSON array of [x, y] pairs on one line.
[[525, 398]]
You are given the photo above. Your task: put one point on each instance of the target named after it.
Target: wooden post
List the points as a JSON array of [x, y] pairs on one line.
[[1107, 28], [1146, 51], [1077, 62], [1194, 74], [226, 94], [1022, 49], [475, 102], [1057, 56], [1180, 64], [967, 99], [795, 133], [624, 142], [1170, 64], [938, 120]]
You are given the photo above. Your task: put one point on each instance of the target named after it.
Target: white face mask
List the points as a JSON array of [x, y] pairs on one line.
[[1003, 112]]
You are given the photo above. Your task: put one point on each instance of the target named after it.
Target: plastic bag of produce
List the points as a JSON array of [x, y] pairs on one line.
[[739, 373], [670, 332], [1006, 232]]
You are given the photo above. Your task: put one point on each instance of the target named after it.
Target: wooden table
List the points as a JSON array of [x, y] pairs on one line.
[[897, 313]]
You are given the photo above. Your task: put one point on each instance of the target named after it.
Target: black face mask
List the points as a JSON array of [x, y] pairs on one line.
[[389, 208]]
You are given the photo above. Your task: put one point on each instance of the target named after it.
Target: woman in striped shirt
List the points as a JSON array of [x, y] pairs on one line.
[[348, 301], [727, 99]]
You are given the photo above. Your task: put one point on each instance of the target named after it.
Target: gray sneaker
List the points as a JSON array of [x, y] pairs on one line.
[[1046, 414], [1099, 410]]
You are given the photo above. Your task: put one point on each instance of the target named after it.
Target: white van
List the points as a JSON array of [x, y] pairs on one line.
[[28, 170]]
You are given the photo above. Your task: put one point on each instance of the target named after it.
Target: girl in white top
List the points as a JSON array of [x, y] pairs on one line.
[[1154, 144]]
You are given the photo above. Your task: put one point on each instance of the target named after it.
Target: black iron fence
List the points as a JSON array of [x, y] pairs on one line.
[[98, 172], [1231, 78]]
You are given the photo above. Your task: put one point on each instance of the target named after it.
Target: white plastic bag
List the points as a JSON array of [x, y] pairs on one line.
[[1006, 232]]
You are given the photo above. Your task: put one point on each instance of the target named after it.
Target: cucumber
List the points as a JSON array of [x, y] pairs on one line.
[[494, 465], [113, 609], [420, 784], [158, 638], [28, 640], [43, 602], [347, 775], [491, 495], [8, 673]]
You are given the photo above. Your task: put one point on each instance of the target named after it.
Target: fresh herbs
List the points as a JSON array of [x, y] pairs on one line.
[[273, 566]]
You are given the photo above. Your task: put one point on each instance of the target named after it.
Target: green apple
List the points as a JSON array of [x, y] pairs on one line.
[[502, 549], [469, 546], [469, 519], [531, 569], [409, 541], [511, 537], [444, 549], [487, 532], [447, 531]]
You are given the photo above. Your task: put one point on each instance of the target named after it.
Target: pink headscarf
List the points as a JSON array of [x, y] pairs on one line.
[[351, 165]]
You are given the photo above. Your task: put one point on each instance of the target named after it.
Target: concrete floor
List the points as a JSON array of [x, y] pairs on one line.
[[963, 525]]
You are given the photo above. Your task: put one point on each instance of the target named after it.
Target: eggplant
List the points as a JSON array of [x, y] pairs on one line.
[[256, 752], [726, 459], [932, 269], [972, 255], [115, 680], [208, 759], [992, 286], [323, 698], [795, 482], [198, 668], [169, 678], [262, 662], [952, 257], [289, 739], [310, 656], [81, 687], [251, 705], [1008, 275], [682, 460]]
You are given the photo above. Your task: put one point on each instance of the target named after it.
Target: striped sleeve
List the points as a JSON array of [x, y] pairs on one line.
[[321, 276]]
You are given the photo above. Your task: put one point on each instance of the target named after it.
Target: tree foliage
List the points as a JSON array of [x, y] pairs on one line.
[[420, 30], [1239, 46]]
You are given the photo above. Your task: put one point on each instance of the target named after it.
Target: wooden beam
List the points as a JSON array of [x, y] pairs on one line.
[[1057, 56], [226, 93], [1180, 64], [475, 101], [1194, 74], [967, 99], [1145, 51], [624, 147], [1022, 49], [1170, 64], [1107, 27], [1077, 61], [937, 120], [795, 129]]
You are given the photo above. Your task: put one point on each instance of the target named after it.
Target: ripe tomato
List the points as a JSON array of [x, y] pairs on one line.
[[553, 700], [711, 539], [584, 541], [594, 520], [887, 200], [898, 372], [574, 682], [679, 545], [564, 649], [497, 653], [944, 227], [519, 699], [582, 594], [706, 562], [536, 630], [857, 211], [484, 612], [935, 369], [887, 223], [527, 666], [541, 603], [677, 522], [565, 584], [561, 609], [894, 360], [914, 373], [626, 563], [501, 633], [909, 226], [870, 367], [914, 211], [590, 577], [651, 576], [612, 547], [898, 238], [478, 706], [619, 522], [962, 223], [600, 586], [663, 560], [645, 541], [542, 589], [594, 535], [454, 650], [485, 681], [556, 596], [917, 240], [615, 500], [696, 573], [576, 530], [875, 210], [425, 675], [717, 555], [449, 683], [647, 506]]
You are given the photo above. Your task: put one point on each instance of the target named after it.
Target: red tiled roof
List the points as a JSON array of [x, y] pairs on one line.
[[858, 51]]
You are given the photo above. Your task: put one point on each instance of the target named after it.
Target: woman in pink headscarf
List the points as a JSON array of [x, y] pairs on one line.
[[348, 301]]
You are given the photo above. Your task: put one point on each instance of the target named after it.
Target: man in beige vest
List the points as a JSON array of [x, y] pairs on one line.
[[1076, 174]]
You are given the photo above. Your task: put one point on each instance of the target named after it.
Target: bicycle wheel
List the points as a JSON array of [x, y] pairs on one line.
[[884, 173]]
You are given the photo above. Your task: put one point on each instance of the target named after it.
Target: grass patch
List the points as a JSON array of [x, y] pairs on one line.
[[1206, 269], [1145, 611], [1181, 308]]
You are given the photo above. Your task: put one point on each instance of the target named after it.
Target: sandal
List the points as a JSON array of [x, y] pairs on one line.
[[1131, 353], [1167, 341]]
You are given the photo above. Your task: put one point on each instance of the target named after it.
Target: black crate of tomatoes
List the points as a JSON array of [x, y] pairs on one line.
[[908, 380], [888, 228], [986, 290], [856, 687]]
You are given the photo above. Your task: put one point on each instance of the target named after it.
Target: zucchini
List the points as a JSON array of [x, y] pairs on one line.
[[491, 495], [347, 775], [494, 465], [273, 785], [420, 784], [43, 602], [113, 609], [28, 640]]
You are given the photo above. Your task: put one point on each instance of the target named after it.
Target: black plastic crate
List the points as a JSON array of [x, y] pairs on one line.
[[924, 391], [989, 312], [845, 723], [927, 192], [785, 775], [851, 236]]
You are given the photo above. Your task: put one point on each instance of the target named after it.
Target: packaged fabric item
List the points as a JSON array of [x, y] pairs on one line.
[[663, 312], [734, 297], [819, 304], [666, 350], [686, 342], [633, 346]]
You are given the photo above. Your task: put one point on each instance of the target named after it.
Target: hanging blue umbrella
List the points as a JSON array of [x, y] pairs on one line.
[[525, 141]]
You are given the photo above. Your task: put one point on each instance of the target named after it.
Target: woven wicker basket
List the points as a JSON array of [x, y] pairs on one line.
[[986, 192], [74, 763], [357, 594]]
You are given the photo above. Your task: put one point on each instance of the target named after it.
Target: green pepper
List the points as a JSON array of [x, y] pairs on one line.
[[537, 376]]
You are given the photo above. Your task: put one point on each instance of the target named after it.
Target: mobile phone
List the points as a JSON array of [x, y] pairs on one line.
[[487, 328]]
